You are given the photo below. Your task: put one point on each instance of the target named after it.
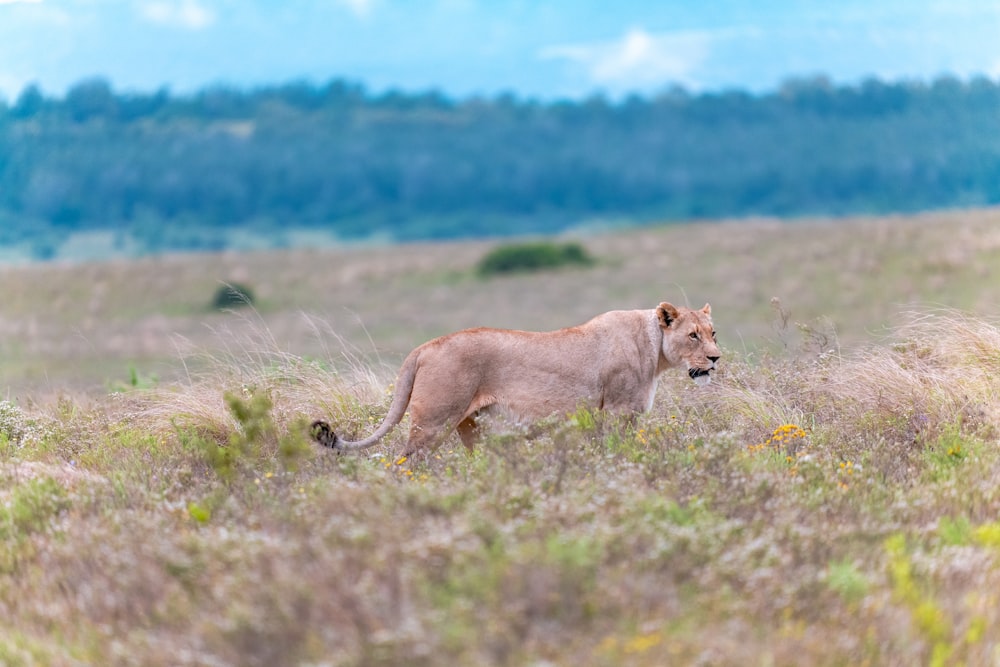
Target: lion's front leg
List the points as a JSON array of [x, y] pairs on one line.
[[633, 403]]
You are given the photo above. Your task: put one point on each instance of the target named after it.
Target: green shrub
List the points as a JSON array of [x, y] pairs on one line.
[[254, 441], [540, 256], [232, 295], [19, 430]]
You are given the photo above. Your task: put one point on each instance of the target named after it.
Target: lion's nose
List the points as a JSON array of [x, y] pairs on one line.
[[713, 359]]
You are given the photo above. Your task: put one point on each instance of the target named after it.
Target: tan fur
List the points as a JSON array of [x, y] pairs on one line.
[[611, 363]]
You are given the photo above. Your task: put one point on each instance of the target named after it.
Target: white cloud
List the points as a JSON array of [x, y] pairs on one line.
[[639, 59], [974, 9], [187, 14], [360, 8]]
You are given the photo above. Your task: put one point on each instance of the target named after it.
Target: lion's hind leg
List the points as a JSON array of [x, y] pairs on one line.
[[468, 431], [423, 438], [429, 428]]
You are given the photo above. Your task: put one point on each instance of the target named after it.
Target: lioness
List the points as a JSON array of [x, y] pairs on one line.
[[612, 363]]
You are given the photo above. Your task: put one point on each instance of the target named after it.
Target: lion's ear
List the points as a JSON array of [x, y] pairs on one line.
[[707, 309], [666, 313]]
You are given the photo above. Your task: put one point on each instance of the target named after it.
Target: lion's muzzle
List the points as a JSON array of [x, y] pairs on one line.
[[703, 376]]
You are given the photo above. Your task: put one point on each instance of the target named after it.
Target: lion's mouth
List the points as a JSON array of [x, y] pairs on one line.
[[700, 375]]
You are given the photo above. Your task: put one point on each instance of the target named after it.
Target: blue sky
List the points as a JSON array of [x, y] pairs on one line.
[[543, 48]]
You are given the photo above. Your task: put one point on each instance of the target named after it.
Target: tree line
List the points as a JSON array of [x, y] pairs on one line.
[[174, 171]]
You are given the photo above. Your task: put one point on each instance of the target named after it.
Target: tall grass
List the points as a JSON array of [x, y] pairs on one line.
[[810, 507]]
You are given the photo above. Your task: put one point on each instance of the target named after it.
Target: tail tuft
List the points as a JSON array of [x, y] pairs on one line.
[[324, 435]]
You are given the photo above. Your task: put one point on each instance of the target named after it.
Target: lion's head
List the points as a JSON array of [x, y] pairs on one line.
[[689, 340]]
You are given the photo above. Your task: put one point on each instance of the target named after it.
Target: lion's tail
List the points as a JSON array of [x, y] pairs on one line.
[[324, 435]]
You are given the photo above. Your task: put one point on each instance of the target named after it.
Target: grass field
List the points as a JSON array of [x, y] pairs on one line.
[[832, 498], [86, 325]]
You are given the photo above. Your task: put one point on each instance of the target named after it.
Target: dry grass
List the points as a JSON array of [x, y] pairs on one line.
[[828, 500], [85, 325], [712, 533]]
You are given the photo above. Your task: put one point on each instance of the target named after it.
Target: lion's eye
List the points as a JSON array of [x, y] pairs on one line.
[[694, 335]]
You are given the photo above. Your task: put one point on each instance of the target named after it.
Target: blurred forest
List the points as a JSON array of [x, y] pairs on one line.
[[163, 172]]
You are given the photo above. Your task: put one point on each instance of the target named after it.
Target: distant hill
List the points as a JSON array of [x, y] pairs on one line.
[[154, 172]]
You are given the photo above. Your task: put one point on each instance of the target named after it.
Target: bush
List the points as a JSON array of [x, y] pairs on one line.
[[232, 295], [523, 257]]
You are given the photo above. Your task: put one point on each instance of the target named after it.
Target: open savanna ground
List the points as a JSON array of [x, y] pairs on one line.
[[832, 498], [86, 325]]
